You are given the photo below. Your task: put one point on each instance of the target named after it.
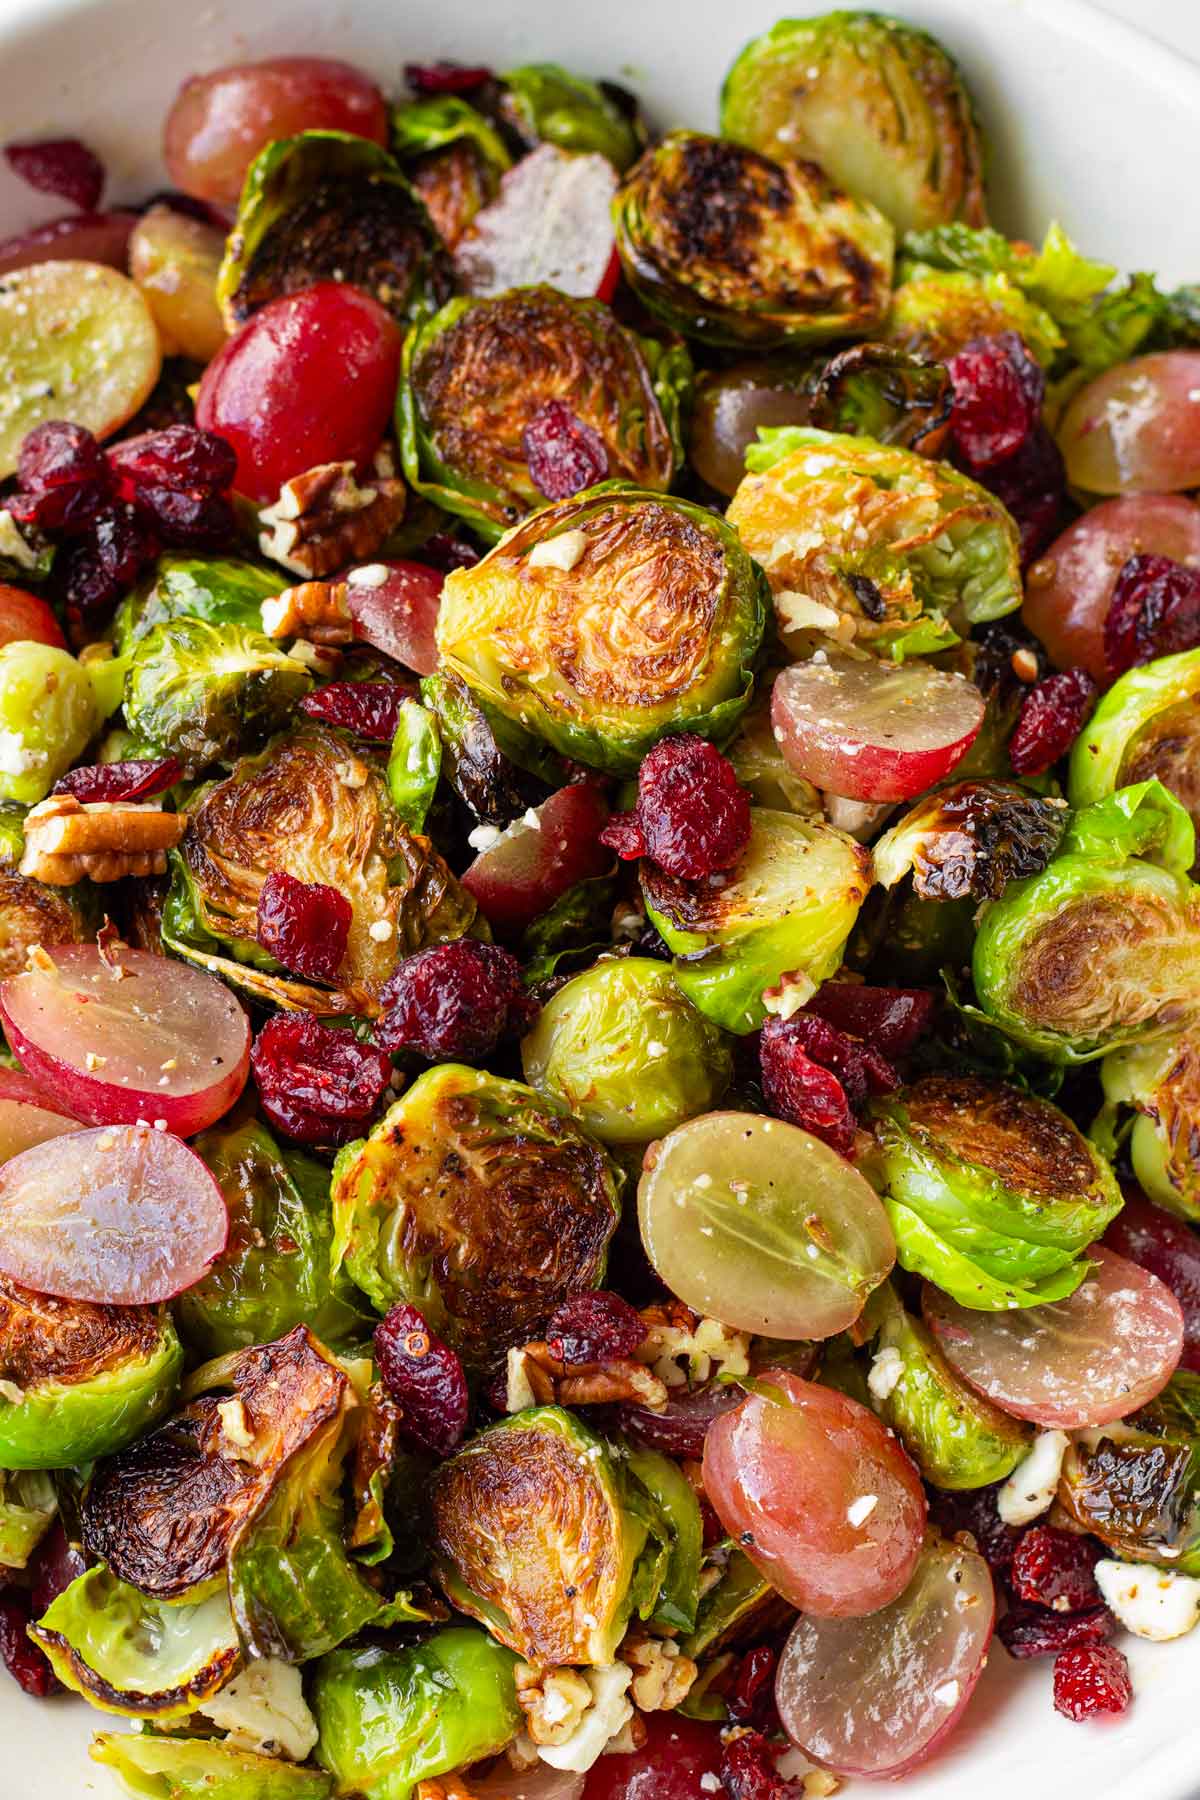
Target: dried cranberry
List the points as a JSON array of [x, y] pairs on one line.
[[137, 779], [563, 454], [305, 925], [692, 815], [890, 1019], [22, 1658], [975, 1510], [444, 77], [998, 393], [1091, 1681], [1032, 486], [1056, 1569], [425, 1376], [60, 166], [56, 1563], [1053, 713], [748, 1770], [182, 458], [1027, 1630], [1154, 611], [751, 1698], [456, 999], [623, 835], [446, 553], [103, 565], [814, 1075], [1167, 1247], [594, 1327], [370, 709], [63, 475], [317, 1085], [189, 521]]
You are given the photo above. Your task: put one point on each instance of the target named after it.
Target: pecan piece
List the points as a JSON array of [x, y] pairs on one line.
[[102, 839], [553, 1701], [662, 1675], [315, 610], [324, 519], [536, 1378]]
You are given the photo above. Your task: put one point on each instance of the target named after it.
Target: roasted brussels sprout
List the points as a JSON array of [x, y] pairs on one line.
[[1136, 1485], [329, 206], [970, 839], [1101, 948], [934, 312], [741, 1602], [543, 103], [48, 712], [479, 370], [453, 157], [623, 1049], [88, 1378], [31, 913], [608, 620], [1146, 726], [731, 248], [542, 1534], [28, 1505], [196, 1768], [479, 1201], [880, 392], [313, 806], [485, 778], [414, 764], [871, 538], [782, 916], [201, 691], [957, 1438], [274, 1272], [391, 1718], [992, 1193], [664, 1481], [222, 589], [1154, 1088], [877, 103]]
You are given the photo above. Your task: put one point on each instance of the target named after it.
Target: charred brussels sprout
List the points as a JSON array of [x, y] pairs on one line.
[[391, 1718], [200, 690], [1101, 948], [1136, 1484], [477, 373], [874, 538], [90, 1378], [452, 156], [31, 913], [969, 840], [28, 1505], [328, 206], [314, 807], [274, 1272], [479, 1201], [934, 312], [1147, 726], [1154, 1090], [781, 916], [877, 391], [732, 248], [543, 103], [195, 1768], [414, 764], [992, 1193], [541, 1533], [876, 102], [482, 774], [222, 589], [607, 621], [626, 1052]]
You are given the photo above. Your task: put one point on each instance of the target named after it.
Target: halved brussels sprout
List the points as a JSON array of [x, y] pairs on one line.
[[1136, 1485], [992, 1193], [31, 913], [222, 589], [81, 1380], [28, 1506], [878, 103], [934, 312], [782, 915], [391, 1718], [970, 839], [202, 691], [453, 157], [543, 103], [956, 1438], [274, 1272], [184, 1768], [741, 1603], [878, 391], [1101, 948], [878, 540], [479, 370], [1160, 1083], [482, 773], [608, 620], [326, 206], [135, 1655], [317, 808], [1147, 725], [731, 248], [630, 1056], [664, 1481], [479, 1201], [538, 1532]]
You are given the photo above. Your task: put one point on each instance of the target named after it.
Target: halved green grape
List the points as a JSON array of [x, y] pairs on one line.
[[761, 1225]]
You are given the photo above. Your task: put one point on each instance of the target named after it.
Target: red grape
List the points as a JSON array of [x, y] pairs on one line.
[[1136, 428], [394, 606], [1153, 1239], [80, 237], [24, 619], [22, 1125], [523, 875]]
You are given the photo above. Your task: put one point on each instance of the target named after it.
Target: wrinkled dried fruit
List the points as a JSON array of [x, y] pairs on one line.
[[889, 1019], [453, 1000], [975, 1511], [182, 458], [370, 709], [22, 1658], [100, 567], [692, 815], [815, 1076], [138, 779], [55, 1564], [424, 1376], [751, 1697], [60, 166], [1091, 1681], [1032, 485], [1052, 715], [64, 478], [748, 1771], [998, 392], [444, 77], [592, 1328], [563, 453], [305, 925], [317, 1085], [1154, 611], [1027, 1630], [1056, 1569]]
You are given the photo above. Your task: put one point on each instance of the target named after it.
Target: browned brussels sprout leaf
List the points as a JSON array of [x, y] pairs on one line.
[[877, 391], [1136, 1484], [970, 839], [453, 157]]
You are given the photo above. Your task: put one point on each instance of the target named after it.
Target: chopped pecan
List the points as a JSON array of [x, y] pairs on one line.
[[681, 1347], [66, 840], [316, 610], [662, 1675], [446, 1787], [553, 1701], [536, 1378], [325, 519]]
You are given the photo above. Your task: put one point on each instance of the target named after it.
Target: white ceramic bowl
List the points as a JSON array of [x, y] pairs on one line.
[[1088, 122]]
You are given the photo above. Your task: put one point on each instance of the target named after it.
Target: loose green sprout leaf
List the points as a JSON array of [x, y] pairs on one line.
[[390, 1718], [877, 103], [970, 839], [48, 713], [730, 247], [202, 691], [626, 1052], [543, 103], [28, 1505], [183, 1768], [578, 924], [479, 1201], [741, 1602], [414, 764], [1147, 725], [1159, 1083], [607, 621], [783, 915], [934, 312], [453, 157], [673, 1494], [222, 589], [328, 206], [478, 371]]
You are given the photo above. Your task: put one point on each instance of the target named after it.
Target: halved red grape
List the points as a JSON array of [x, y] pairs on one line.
[[22, 1125], [539, 1783], [522, 875], [129, 1217], [144, 1038], [819, 1495], [15, 1084], [1087, 1360], [1136, 428], [875, 1696], [24, 619], [873, 730], [394, 606], [679, 1760], [1156, 1240], [681, 1426], [1069, 589], [80, 237], [551, 222]]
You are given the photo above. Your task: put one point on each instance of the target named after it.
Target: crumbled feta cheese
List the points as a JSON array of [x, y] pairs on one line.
[[1031, 1487], [860, 1510], [16, 757], [381, 930], [800, 612], [370, 575], [1150, 1602], [609, 1713], [263, 1709], [484, 837], [887, 1366], [561, 552], [710, 1783], [234, 1426]]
